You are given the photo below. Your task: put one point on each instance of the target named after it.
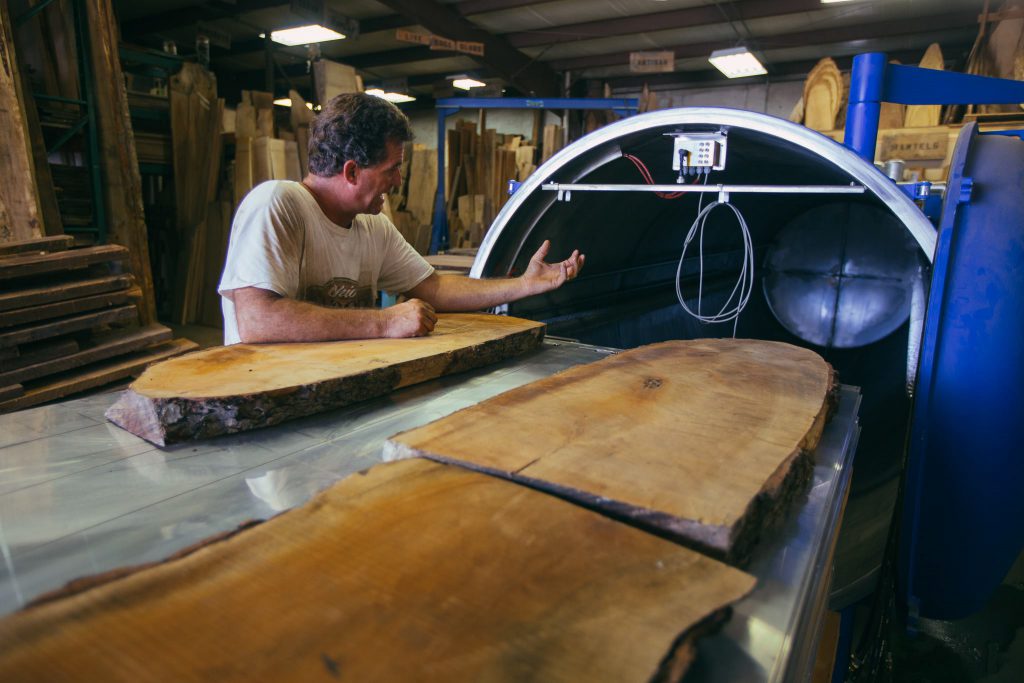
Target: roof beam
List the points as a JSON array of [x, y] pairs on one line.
[[715, 77], [702, 15], [519, 70], [189, 16], [883, 29]]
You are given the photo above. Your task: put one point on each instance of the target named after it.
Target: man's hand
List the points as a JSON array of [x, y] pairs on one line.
[[543, 277], [412, 318]]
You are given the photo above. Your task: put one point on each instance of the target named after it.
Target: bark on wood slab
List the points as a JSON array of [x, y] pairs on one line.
[[37, 353], [701, 439], [245, 386], [410, 571]]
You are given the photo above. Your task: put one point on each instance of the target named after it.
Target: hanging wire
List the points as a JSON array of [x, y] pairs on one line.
[[741, 292]]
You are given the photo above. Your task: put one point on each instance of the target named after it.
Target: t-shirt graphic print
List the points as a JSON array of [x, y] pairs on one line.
[[341, 292]]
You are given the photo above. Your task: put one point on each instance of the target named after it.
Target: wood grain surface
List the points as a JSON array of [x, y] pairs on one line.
[[246, 386], [703, 439], [410, 571]]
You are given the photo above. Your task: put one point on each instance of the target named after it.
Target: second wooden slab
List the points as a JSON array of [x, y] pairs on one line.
[[411, 571], [703, 439], [245, 386]]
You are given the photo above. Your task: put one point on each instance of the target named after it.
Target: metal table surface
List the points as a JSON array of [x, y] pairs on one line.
[[80, 496]]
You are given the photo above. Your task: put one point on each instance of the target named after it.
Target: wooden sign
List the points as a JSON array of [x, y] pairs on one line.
[[407, 36], [410, 571], [440, 43], [470, 47], [652, 62], [235, 388], [705, 440], [914, 146]]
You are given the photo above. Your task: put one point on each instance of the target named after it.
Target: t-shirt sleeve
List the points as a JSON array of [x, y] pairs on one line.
[[265, 249], [402, 267]]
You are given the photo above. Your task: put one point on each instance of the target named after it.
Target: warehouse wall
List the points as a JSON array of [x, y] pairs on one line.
[[508, 121]]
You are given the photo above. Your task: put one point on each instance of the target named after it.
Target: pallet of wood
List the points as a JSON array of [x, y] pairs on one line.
[[69, 321]]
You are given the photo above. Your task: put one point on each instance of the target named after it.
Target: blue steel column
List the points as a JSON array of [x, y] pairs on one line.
[[867, 82]]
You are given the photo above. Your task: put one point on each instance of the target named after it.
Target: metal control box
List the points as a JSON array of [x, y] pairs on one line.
[[698, 152]]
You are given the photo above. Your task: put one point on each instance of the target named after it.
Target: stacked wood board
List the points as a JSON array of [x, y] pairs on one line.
[[407, 571], [68, 321], [478, 170], [246, 386], [705, 440]]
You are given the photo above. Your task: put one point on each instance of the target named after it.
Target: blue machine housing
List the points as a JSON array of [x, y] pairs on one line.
[[963, 516], [963, 506]]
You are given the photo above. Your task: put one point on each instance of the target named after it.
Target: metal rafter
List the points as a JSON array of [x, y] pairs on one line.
[[882, 29]]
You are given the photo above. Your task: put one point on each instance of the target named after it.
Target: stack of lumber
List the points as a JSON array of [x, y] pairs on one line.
[[196, 120], [412, 206], [553, 139], [823, 95], [64, 192], [479, 168], [68, 321]]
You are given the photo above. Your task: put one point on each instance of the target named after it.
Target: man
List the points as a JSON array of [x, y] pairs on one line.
[[305, 260]]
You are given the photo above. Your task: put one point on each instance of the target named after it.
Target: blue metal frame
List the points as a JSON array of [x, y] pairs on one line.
[[451, 105], [874, 81]]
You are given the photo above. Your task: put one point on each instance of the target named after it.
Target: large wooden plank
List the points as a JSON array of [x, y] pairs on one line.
[[62, 291], [245, 386], [97, 349], [96, 375], [33, 314], [32, 333], [122, 183], [52, 243], [406, 572], [12, 359], [701, 439], [25, 265], [20, 214]]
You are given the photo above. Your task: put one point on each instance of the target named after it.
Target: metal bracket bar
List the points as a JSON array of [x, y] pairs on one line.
[[32, 12], [68, 134], [55, 98], [565, 190]]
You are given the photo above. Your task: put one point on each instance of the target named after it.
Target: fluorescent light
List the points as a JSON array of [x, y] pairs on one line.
[[287, 102], [304, 35], [395, 97], [467, 83], [737, 62]]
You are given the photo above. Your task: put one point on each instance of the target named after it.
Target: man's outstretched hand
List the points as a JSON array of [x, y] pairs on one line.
[[543, 277]]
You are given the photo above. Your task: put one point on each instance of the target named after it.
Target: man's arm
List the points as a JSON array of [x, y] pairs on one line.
[[458, 293], [264, 316]]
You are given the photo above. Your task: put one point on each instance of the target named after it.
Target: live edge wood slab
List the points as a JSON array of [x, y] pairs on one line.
[[245, 386], [411, 571], [705, 440]]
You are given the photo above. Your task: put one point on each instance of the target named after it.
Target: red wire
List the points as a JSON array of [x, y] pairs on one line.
[[650, 181]]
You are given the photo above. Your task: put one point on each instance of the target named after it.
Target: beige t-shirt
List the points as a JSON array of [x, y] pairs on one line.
[[282, 241]]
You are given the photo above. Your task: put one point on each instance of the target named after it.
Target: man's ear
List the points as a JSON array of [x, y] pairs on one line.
[[350, 171]]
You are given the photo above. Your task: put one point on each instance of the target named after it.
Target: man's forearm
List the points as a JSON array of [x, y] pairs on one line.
[[457, 293], [280, 319]]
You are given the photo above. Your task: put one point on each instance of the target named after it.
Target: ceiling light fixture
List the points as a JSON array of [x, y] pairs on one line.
[[287, 102], [304, 35], [396, 97], [737, 62], [465, 83]]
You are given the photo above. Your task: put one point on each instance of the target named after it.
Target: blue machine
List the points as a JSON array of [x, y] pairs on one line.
[[963, 506]]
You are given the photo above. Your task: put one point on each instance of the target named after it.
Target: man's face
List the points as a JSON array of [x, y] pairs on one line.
[[377, 180]]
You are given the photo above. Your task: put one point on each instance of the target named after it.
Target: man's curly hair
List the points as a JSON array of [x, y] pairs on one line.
[[354, 126]]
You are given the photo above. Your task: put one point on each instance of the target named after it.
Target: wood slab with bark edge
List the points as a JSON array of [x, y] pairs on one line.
[[246, 386], [705, 440], [412, 571]]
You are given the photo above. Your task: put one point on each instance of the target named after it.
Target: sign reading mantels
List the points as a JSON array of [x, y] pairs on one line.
[[440, 42]]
